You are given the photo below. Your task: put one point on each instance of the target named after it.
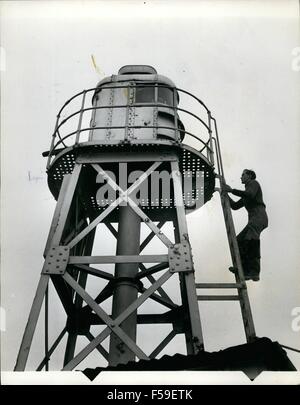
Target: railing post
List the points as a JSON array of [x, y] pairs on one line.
[[177, 133], [52, 142], [219, 148], [217, 155], [80, 118], [211, 152]]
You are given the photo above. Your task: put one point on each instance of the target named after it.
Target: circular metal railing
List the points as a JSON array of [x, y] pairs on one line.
[[207, 144]]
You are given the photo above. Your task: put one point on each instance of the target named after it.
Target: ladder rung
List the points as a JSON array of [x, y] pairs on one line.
[[217, 297], [219, 285]]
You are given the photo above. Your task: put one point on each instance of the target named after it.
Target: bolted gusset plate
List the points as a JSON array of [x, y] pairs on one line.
[[56, 260], [180, 258]]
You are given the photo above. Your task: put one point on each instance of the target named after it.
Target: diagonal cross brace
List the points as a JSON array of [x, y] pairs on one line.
[[132, 204], [103, 315], [112, 324], [113, 205]]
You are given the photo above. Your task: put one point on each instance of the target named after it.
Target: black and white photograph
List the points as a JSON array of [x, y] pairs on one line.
[[150, 186]]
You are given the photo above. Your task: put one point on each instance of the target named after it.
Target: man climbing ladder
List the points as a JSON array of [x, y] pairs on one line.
[[249, 238]]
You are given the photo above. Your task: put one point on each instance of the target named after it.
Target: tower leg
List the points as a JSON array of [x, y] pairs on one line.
[[194, 337], [187, 332], [31, 323], [70, 347], [72, 335], [57, 227], [125, 291]]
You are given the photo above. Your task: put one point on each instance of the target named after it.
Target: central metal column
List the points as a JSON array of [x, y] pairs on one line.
[[125, 290]]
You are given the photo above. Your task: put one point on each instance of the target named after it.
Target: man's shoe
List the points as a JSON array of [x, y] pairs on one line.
[[255, 278]]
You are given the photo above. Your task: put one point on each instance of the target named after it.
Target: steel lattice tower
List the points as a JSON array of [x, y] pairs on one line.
[[133, 132]]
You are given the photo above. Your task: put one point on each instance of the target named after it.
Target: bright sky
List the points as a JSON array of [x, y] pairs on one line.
[[239, 57]]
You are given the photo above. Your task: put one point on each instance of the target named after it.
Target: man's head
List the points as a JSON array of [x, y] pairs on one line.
[[247, 175]]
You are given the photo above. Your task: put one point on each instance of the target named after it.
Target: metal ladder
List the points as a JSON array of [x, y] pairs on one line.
[[240, 284]]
